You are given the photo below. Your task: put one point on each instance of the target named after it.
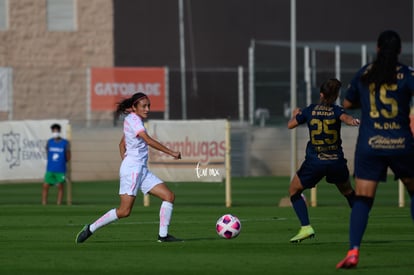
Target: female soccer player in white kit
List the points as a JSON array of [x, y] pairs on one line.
[[134, 173]]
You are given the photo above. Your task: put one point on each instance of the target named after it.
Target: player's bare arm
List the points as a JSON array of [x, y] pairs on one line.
[[349, 120], [158, 146], [293, 122], [122, 147]]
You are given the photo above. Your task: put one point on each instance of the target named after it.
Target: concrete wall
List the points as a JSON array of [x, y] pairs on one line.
[[96, 155], [49, 68], [271, 149]]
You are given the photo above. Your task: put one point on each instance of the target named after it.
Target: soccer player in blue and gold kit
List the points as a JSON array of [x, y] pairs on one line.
[[383, 90], [324, 155]]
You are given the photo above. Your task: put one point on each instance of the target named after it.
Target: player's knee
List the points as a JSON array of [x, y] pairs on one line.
[[170, 197], [123, 213], [295, 190], [295, 186], [164, 193]]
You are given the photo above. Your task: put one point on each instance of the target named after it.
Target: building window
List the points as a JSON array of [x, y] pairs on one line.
[[4, 15], [61, 15]]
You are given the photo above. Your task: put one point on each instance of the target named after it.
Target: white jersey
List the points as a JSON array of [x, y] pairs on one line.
[[136, 147]]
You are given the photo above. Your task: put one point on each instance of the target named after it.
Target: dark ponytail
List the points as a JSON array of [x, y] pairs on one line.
[[330, 90], [383, 69], [129, 102]]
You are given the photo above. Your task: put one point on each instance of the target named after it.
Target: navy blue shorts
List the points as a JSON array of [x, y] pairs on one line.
[[311, 172], [375, 168]]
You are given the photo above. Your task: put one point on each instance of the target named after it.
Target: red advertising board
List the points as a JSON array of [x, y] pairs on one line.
[[110, 85]]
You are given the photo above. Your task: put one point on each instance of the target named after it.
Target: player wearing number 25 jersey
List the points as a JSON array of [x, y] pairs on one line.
[[324, 126], [383, 90], [324, 155]]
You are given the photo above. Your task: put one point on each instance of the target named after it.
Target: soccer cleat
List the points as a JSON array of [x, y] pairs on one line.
[[83, 235], [305, 232], [168, 238], [350, 261]]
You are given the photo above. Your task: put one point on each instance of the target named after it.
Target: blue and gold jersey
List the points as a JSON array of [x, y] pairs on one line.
[[324, 131], [385, 111]]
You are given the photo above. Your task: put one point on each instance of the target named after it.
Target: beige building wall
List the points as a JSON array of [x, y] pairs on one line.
[[49, 67]]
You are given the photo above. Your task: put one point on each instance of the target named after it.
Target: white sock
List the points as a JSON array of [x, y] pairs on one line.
[[165, 217], [109, 217]]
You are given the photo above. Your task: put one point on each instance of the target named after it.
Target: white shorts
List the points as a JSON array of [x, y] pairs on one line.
[[134, 176]]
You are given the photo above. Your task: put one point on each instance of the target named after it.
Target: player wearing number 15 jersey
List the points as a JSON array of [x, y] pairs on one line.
[[324, 155], [383, 90]]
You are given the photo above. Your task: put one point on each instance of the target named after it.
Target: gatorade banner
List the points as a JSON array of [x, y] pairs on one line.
[[23, 148], [111, 85], [202, 145]]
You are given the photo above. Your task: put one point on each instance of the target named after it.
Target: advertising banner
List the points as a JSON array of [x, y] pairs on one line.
[[23, 148], [110, 85], [202, 144]]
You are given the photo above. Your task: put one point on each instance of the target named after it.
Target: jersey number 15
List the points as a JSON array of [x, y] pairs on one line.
[[375, 113]]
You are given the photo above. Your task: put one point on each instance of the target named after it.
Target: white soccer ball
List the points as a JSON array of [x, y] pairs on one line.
[[228, 226]]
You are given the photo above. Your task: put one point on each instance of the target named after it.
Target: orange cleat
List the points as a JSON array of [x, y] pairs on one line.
[[350, 261]]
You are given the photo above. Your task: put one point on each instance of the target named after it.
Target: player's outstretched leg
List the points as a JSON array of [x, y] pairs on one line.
[[166, 210], [83, 235], [168, 238], [167, 196], [305, 232], [350, 261], [107, 218]]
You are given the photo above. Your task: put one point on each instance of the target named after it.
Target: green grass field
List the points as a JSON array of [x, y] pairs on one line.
[[38, 239]]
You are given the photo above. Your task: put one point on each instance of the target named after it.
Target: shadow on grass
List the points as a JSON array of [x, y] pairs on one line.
[[381, 267], [387, 241], [202, 239], [183, 240]]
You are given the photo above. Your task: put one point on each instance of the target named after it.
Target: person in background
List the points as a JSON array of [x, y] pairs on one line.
[[58, 154], [324, 155], [383, 91]]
